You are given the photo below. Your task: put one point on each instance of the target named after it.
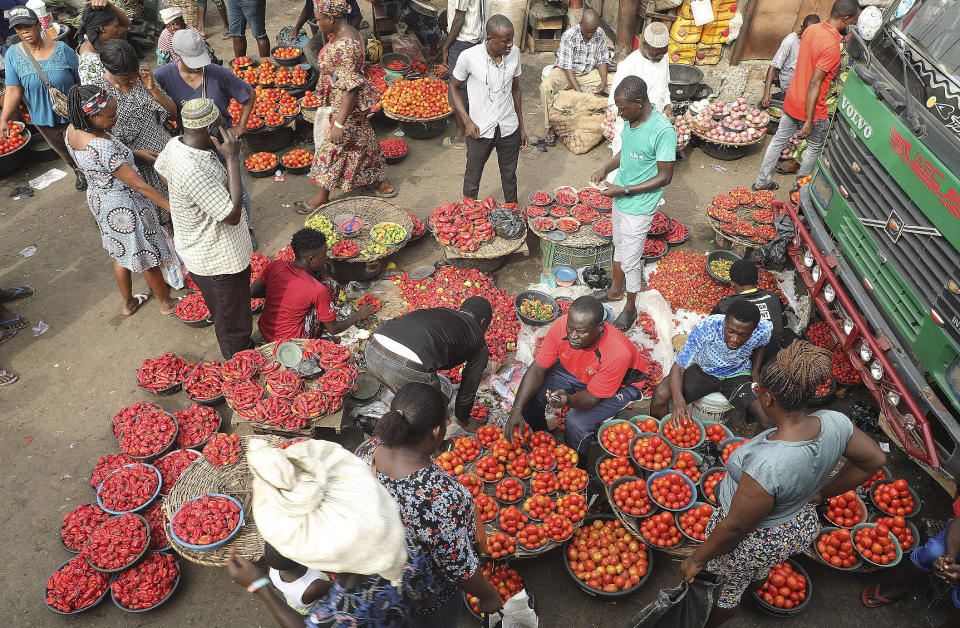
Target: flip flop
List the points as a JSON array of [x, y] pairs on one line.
[[623, 319], [379, 194], [773, 185], [601, 295], [7, 378], [303, 208], [17, 322], [141, 299], [448, 143], [7, 334], [871, 597], [19, 292]]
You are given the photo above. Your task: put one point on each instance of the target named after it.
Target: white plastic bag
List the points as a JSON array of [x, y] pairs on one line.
[[516, 613], [172, 267], [702, 12]]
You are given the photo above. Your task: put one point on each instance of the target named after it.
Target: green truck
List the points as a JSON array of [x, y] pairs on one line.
[[878, 230]]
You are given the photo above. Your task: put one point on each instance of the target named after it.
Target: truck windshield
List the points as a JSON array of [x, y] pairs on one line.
[[934, 27]]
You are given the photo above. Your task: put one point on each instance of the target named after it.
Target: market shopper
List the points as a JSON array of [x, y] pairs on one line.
[[142, 108], [425, 27], [644, 167], [297, 304], [33, 67], [123, 204], [437, 511], [650, 63], [465, 29], [586, 364], [253, 12], [766, 503], [319, 505], [312, 48], [744, 277], [495, 120], [101, 21], [784, 62], [583, 59], [723, 353], [206, 202], [202, 17], [348, 154], [172, 19], [805, 105], [413, 347]]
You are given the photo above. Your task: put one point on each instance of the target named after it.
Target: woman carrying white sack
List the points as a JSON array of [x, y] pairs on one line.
[[319, 505], [650, 63]]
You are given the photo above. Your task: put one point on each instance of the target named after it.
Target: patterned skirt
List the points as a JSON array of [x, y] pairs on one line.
[[759, 551], [356, 162]]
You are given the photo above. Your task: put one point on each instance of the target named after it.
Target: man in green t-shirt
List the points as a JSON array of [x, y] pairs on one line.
[[644, 166]]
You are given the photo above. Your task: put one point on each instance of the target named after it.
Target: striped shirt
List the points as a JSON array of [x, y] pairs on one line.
[[582, 56]]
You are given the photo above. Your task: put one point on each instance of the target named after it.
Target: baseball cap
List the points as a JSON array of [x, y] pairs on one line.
[[22, 16], [189, 47]]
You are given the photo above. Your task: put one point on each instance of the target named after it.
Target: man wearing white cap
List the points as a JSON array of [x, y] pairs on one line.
[[172, 19], [650, 63]]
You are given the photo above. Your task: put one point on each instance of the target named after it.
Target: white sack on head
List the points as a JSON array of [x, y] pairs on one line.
[[320, 505]]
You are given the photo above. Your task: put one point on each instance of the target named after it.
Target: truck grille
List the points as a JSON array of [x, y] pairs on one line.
[[925, 261]]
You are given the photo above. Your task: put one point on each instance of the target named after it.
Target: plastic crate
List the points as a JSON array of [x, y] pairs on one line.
[[555, 254]]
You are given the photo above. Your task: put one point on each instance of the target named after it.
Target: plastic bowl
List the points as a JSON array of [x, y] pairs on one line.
[[343, 222], [696, 457], [176, 583], [211, 546], [637, 464], [724, 443], [916, 498], [676, 519], [266, 172], [822, 510], [154, 456], [535, 294], [654, 508], [287, 62], [703, 433], [788, 612], [565, 276], [703, 476], [133, 562], [709, 423], [828, 530], [138, 508], [640, 418], [597, 592], [614, 421], [896, 561], [547, 204], [60, 530], [688, 481], [720, 254], [79, 610]]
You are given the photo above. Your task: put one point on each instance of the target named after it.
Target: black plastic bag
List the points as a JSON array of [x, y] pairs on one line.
[[506, 223], [683, 606], [773, 254], [596, 277]]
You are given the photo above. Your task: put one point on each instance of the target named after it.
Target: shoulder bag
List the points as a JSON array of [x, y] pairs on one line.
[[58, 100]]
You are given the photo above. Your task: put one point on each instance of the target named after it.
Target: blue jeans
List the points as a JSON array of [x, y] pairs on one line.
[[243, 12], [580, 424], [924, 556], [788, 126]]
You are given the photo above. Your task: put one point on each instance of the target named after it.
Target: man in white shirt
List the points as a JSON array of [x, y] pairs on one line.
[[206, 205], [495, 119], [465, 30], [785, 61], [650, 63]]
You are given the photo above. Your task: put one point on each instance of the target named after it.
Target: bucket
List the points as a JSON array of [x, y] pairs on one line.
[[713, 407]]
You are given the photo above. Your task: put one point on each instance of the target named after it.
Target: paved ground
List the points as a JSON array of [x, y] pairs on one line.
[[79, 373]]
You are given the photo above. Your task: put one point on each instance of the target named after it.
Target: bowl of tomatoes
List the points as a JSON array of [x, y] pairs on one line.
[[876, 544], [297, 161], [605, 532], [892, 496], [834, 548], [261, 165], [787, 577], [287, 55]]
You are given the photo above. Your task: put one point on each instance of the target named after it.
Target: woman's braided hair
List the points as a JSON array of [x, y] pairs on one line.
[[793, 377], [78, 95]]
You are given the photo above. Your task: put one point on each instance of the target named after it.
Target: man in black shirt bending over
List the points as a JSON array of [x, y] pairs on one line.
[[744, 277], [413, 347]]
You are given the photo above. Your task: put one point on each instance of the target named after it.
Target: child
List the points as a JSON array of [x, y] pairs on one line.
[[300, 587]]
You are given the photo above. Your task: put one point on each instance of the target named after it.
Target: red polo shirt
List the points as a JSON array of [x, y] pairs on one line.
[[601, 367], [819, 49], [290, 293]]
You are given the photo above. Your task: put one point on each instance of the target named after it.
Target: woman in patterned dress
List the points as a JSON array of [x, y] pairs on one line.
[[124, 206], [102, 21], [437, 511], [142, 108], [348, 156]]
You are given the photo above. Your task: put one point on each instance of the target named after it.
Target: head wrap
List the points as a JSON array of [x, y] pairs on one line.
[[199, 113], [320, 505], [169, 15], [96, 103], [93, 20], [332, 8], [656, 35]]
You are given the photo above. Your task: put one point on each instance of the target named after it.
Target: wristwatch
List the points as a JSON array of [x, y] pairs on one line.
[[626, 190]]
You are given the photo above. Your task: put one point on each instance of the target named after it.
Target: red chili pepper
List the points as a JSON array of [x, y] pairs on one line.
[[160, 373], [283, 383], [203, 381]]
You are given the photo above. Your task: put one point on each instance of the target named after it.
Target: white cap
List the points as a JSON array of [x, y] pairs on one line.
[[169, 15], [188, 45], [656, 35]]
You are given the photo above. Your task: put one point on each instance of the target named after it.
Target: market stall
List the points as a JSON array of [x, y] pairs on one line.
[[478, 234]]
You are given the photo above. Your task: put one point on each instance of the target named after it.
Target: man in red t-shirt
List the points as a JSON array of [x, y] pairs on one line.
[[805, 105], [586, 364], [297, 304]]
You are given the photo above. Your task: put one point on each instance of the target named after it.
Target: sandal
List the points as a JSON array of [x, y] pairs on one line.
[[623, 322], [7, 378], [601, 296], [17, 322], [174, 310], [7, 334], [140, 299], [448, 142], [871, 597], [303, 208], [773, 185], [18, 292], [379, 194]]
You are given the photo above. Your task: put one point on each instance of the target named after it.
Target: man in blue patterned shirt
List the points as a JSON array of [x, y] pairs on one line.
[[722, 354], [582, 60]]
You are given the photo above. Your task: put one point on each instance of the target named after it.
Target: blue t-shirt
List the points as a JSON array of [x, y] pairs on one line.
[[220, 82], [653, 141], [706, 347], [61, 69]]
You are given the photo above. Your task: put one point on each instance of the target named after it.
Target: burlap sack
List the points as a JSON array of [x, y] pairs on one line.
[[578, 119]]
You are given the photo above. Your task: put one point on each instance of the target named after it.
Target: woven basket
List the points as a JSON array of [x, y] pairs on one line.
[[582, 238], [402, 118], [687, 548], [703, 137], [372, 210], [498, 247], [200, 478]]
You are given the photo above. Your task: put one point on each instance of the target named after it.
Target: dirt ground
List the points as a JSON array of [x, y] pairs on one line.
[[78, 374]]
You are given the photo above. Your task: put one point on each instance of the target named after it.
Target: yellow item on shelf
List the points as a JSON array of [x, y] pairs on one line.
[[724, 9], [709, 54], [685, 32], [715, 32], [682, 53], [684, 12]]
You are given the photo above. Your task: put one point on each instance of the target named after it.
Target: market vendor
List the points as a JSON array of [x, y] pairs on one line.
[[585, 364], [784, 62], [582, 61], [297, 304], [650, 63], [723, 353], [744, 277], [413, 347]]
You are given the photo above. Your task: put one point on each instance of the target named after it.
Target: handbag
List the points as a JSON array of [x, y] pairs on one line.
[[58, 100]]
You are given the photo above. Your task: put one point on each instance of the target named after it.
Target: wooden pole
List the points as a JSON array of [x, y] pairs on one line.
[[626, 28], [739, 46]]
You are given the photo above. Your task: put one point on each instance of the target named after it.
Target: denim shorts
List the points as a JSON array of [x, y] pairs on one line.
[[243, 12]]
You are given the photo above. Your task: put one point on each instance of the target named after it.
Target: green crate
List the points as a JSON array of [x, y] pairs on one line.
[[555, 254]]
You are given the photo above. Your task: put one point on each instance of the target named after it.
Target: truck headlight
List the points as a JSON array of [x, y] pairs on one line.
[[815, 274], [864, 351], [847, 326], [829, 293], [807, 258], [876, 370], [893, 398]]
